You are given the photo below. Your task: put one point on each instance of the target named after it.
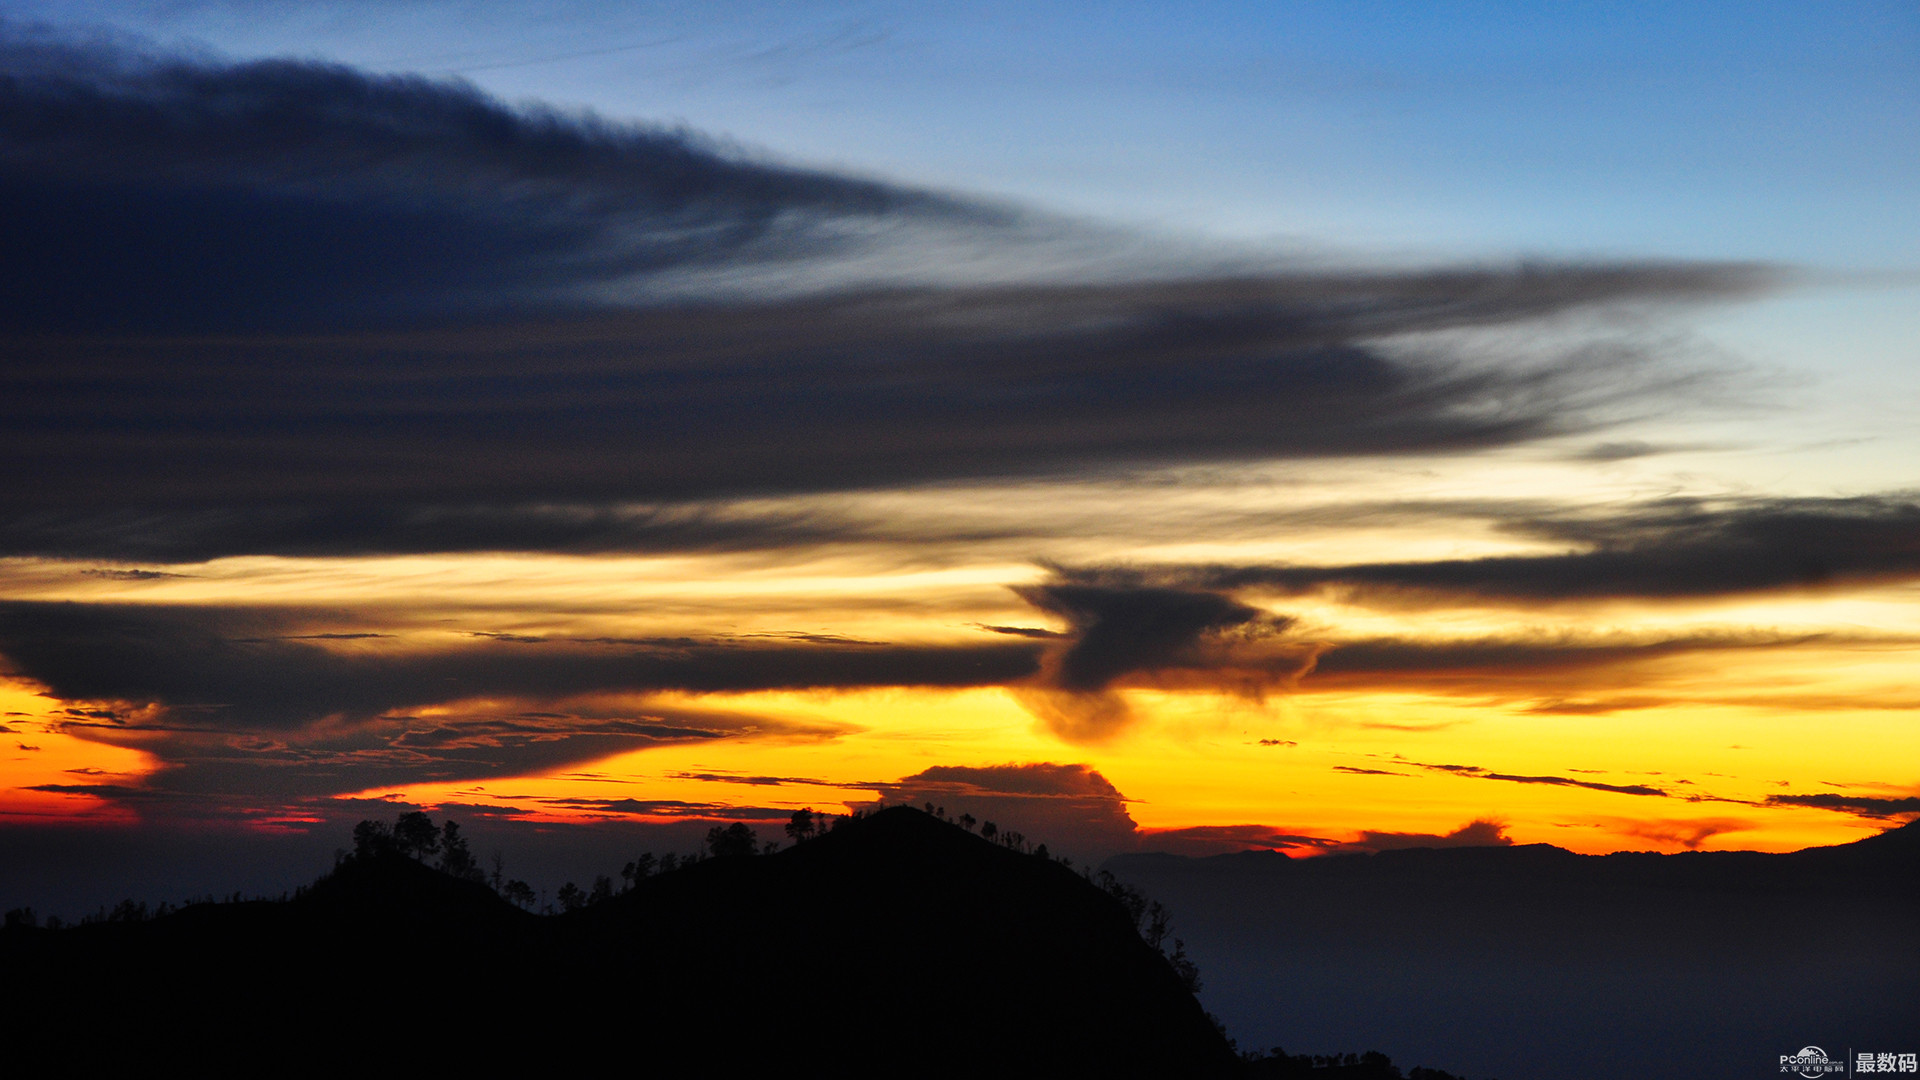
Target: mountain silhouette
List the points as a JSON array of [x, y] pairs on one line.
[[896, 942], [1533, 961]]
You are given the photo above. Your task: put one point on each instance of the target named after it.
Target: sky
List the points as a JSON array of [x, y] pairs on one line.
[[1312, 427]]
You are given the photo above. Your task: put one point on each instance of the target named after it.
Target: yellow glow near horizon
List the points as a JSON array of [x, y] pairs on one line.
[[1792, 692], [35, 754]]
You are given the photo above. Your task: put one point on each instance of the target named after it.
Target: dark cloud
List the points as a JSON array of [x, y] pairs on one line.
[[1069, 807], [1356, 770], [1203, 840], [219, 766], [1117, 632], [130, 575], [1868, 806], [758, 781], [291, 308], [233, 699], [1021, 631], [1554, 657], [1129, 627], [548, 437], [148, 192], [1479, 773], [1483, 832], [1670, 549], [1618, 451], [674, 808], [248, 668], [1689, 834]]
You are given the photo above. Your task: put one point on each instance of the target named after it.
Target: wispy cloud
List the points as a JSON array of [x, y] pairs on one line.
[[395, 315], [1675, 549]]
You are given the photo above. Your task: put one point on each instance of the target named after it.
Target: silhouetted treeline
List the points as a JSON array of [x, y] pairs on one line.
[[892, 942]]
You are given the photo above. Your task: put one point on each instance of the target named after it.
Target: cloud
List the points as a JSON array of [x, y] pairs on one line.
[[1867, 806], [1689, 834], [1118, 632], [239, 699], [1481, 832], [1479, 773], [145, 192], [251, 668], [1134, 627], [1668, 549], [673, 808], [291, 308], [1204, 840], [757, 781], [1070, 807]]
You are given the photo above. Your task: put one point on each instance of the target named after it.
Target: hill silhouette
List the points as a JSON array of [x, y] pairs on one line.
[[1533, 961], [894, 942]]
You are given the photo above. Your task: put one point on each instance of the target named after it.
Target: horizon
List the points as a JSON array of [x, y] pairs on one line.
[[1294, 429]]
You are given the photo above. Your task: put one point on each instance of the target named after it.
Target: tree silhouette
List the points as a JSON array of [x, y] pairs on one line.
[[571, 897], [988, 829], [455, 857], [800, 826], [415, 834], [966, 822], [370, 838], [638, 870], [735, 839]]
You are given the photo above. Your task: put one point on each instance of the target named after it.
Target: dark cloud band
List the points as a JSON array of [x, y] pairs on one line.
[[292, 308], [1673, 549]]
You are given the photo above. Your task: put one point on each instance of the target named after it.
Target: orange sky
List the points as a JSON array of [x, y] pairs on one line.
[[1607, 724], [396, 441]]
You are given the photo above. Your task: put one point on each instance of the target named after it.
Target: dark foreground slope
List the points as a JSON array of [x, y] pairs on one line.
[[1536, 962], [896, 942]]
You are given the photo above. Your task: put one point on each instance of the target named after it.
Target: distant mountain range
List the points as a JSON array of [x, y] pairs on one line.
[[1532, 961], [898, 943]]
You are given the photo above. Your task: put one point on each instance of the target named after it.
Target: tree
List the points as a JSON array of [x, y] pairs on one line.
[[735, 839], [988, 829], [637, 871], [800, 825], [1159, 922], [518, 892], [415, 834], [370, 838], [1184, 967], [571, 897], [455, 857], [966, 822]]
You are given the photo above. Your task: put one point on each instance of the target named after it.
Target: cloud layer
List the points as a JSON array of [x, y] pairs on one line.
[[1671, 550], [286, 307]]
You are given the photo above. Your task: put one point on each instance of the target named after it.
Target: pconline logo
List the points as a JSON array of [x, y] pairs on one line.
[[1811, 1061]]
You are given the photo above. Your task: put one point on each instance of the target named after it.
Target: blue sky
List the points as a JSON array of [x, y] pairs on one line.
[[1765, 131], [1487, 444]]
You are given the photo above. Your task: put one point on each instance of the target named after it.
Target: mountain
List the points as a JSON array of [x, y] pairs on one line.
[[895, 942], [1532, 961]]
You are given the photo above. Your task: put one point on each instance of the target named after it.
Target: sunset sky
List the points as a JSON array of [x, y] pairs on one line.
[[1324, 427]]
